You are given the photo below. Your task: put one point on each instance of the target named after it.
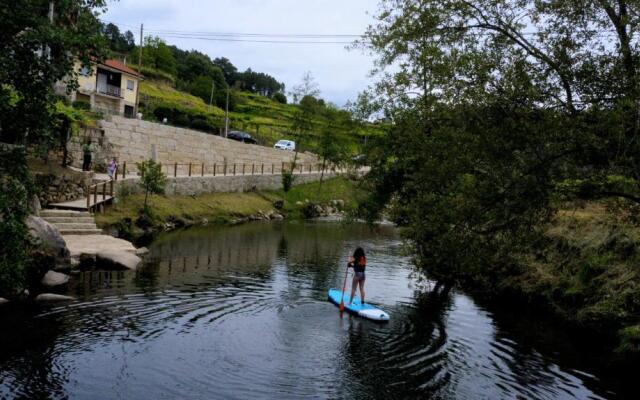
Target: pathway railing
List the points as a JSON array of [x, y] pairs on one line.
[[235, 169], [99, 189]]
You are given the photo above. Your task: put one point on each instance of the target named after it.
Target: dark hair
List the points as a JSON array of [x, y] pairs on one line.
[[358, 254]]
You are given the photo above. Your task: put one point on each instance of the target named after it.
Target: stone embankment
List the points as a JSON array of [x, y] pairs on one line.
[[55, 188], [132, 141]]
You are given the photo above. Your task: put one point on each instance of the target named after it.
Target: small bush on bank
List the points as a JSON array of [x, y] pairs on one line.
[[287, 181]]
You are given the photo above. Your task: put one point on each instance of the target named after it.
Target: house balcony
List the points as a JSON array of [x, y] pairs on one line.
[[109, 90]]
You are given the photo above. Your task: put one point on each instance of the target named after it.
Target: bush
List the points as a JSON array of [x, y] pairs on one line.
[[14, 236], [280, 98], [287, 180], [203, 125], [81, 105]]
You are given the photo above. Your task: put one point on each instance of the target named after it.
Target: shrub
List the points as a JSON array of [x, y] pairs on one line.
[[280, 98], [81, 105], [287, 180], [203, 125], [14, 236]]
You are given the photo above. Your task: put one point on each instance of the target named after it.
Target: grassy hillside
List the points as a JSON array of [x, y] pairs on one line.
[[267, 120]]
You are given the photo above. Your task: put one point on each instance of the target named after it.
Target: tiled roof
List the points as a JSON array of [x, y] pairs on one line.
[[120, 66]]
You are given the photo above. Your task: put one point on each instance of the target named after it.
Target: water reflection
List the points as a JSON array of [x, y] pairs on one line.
[[241, 312]]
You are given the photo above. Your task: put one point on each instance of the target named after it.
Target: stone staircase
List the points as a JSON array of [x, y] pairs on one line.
[[71, 222]]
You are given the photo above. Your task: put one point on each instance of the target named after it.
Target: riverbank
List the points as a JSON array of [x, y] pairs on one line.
[[585, 273], [337, 195]]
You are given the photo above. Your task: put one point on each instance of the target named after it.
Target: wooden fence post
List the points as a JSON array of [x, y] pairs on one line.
[[272, 166], [253, 166], [104, 191], [175, 169], [189, 169], [89, 198], [214, 169], [234, 169], [111, 190], [225, 169], [202, 169], [95, 195], [262, 173], [124, 170], [242, 168]]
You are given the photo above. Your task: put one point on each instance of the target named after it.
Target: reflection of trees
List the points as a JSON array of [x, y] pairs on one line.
[[28, 351], [400, 359]]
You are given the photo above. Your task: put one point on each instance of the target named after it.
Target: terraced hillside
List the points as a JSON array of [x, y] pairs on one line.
[[266, 119]]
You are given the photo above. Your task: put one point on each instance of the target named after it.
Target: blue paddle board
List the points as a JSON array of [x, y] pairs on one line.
[[365, 310]]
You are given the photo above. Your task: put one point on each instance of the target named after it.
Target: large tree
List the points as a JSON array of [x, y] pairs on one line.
[[39, 43], [499, 108]]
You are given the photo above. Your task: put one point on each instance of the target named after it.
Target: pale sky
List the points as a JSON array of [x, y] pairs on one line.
[[340, 73]]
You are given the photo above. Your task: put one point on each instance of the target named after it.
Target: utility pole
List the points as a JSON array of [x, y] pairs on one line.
[[213, 83], [135, 112], [226, 115]]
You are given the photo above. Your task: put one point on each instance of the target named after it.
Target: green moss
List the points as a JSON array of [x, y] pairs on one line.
[[630, 340]]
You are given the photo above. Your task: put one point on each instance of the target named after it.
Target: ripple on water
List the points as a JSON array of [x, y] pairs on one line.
[[242, 312]]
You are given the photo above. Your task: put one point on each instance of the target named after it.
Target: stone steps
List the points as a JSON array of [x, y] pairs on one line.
[[81, 232], [71, 222], [80, 220], [63, 213]]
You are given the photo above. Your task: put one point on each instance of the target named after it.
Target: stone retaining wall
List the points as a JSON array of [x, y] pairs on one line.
[[132, 140], [54, 188], [194, 185]]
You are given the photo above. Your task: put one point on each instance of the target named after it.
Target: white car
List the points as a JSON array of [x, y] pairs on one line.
[[285, 145]]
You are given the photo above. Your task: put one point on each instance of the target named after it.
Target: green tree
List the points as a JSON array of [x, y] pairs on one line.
[[38, 50], [156, 54], [496, 105], [279, 97], [330, 148], [152, 179]]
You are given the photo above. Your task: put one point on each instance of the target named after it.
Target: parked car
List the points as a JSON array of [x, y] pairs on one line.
[[241, 137], [285, 145]]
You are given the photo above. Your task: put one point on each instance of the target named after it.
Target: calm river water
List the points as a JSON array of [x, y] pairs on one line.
[[241, 312]]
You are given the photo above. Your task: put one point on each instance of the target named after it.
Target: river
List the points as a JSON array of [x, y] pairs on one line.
[[241, 312]]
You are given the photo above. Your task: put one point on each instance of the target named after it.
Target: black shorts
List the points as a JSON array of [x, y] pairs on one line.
[[359, 276]]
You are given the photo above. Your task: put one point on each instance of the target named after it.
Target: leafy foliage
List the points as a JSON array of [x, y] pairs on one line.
[[14, 258], [152, 179], [36, 54], [496, 107]]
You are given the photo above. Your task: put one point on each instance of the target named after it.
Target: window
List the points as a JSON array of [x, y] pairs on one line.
[[84, 71], [129, 84]]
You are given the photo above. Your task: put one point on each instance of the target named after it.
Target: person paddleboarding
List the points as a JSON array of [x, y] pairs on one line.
[[358, 262]]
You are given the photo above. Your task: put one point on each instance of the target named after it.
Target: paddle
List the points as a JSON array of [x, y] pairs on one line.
[[344, 286]]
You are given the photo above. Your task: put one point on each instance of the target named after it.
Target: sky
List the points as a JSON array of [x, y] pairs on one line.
[[340, 73]]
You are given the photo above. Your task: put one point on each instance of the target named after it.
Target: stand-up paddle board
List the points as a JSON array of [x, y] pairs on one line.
[[365, 310]]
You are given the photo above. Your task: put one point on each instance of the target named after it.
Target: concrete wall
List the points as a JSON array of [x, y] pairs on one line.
[[194, 185], [133, 140]]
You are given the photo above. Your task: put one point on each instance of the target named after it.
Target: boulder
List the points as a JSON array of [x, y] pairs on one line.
[[53, 297], [276, 216], [119, 260], [52, 245], [278, 204], [52, 279], [34, 206], [142, 251], [3, 301]]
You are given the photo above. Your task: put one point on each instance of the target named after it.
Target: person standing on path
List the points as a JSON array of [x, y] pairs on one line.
[[87, 149], [112, 167]]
